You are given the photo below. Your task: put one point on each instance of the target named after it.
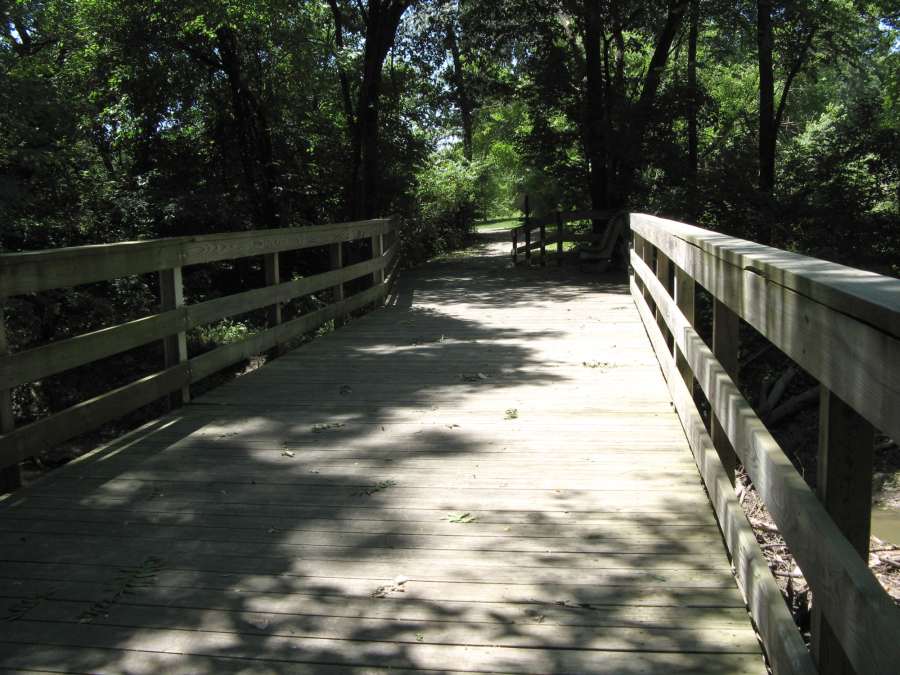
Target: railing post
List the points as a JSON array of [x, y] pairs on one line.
[[272, 266], [844, 486], [527, 229], [10, 476], [726, 324], [663, 270], [527, 240], [559, 238], [171, 295], [647, 255], [684, 298], [377, 252], [515, 245]]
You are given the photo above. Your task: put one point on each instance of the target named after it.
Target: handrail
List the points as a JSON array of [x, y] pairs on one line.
[[31, 272], [839, 324], [604, 242]]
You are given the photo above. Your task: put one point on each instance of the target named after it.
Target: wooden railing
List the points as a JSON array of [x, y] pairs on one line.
[[532, 238], [843, 327], [25, 273]]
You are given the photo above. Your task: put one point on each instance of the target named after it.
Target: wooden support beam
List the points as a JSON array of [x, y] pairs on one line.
[[846, 455], [527, 240], [663, 273], [725, 344], [272, 267], [377, 252], [171, 295], [272, 264], [10, 476], [515, 246], [336, 262], [685, 291]]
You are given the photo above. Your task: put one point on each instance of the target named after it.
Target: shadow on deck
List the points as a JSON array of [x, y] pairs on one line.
[[484, 476]]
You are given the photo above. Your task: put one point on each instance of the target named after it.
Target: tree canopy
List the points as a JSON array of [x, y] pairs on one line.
[[121, 119]]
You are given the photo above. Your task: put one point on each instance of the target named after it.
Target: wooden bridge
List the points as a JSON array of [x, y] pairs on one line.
[[502, 469]]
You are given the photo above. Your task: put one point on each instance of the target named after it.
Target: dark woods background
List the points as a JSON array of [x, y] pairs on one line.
[[129, 119]]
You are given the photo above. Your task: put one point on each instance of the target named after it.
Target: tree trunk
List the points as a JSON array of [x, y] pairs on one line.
[[636, 123], [766, 97], [260, 175], [693, 153], [462, 92], [382, 20], [595, 112]]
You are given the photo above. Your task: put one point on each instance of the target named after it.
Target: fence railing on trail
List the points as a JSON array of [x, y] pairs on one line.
[[531, 239], [33, 272], [842, 326]]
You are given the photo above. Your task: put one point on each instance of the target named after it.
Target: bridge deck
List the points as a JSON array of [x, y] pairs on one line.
[[485, 476]]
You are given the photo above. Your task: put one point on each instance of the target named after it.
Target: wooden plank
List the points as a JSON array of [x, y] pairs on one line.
[[171, 295], [604, 536], [206, 364], [663, 272], [35, 364], [788, 315], [33, 438], [56, 357], [289, 652], [10, 475], [378, 254], [871, 298], [861, 613], [685, 289], [336, 262], [784, 645], [272, 268], [246, 301], [725, 346], [846, 456], [36, 271]]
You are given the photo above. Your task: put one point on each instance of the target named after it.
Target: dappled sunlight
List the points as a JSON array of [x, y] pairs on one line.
[[473, 478]]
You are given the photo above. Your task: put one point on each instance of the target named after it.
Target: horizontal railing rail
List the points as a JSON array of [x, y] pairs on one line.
[[34, 272], [841, 326], [537, 234]]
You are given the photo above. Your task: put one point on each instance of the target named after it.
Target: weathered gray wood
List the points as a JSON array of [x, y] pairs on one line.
[[31, 439], [63, 268], [864, 375], [206, 364], [10, 476], [336, 262], [171, 296], [784, 645], [663, 273], [863, 616], [527, 228], [590, 548], [726, 341], [378, 254], [272, 268], [846, 455], [56, 357], [871, 298], [685, 289]]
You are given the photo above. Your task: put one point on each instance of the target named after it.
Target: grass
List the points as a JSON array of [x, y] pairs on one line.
[[495, 227]]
